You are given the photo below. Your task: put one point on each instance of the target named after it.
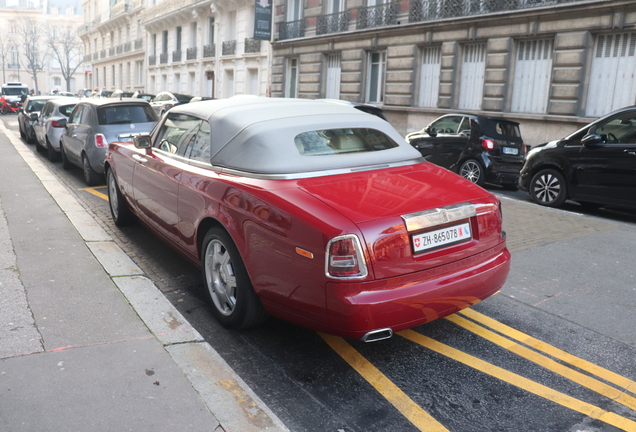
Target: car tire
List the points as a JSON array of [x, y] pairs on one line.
[[30, 137], [90, 175], [53, 155], [21, 132], [119, 210], [38, 147], [227, 284], [66, 164], [473, 171], [548, 188]]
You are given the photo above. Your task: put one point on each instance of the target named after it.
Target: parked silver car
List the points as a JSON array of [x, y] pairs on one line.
[[29, 113], [48, 128], [96, 122]]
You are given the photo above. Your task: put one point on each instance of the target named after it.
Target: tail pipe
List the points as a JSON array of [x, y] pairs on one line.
[[377, 335]]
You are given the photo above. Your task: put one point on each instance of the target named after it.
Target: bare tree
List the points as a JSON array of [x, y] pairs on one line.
[[5, 46], [33, 57], [66, 48]]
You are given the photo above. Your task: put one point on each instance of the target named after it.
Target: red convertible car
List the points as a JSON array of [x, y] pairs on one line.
[[310, 211]]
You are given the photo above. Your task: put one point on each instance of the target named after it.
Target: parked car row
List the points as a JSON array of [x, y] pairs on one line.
[[369, 238], [595, 166]]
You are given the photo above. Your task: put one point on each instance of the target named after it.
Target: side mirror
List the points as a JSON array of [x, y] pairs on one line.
[[592, 140], [430, 131], [143, 141], [33, 116]]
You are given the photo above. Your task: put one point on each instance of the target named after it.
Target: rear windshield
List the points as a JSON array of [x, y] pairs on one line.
[[183, 98], [65, 110], [125, 114], [342, 141], [14, 91], [35, 105], [508, 129], [500, 129]]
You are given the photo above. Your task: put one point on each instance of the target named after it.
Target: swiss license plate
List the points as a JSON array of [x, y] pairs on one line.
[[441, 237], [510, 150]]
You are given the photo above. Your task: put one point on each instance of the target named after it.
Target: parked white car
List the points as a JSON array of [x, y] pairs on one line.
[[48, 128]]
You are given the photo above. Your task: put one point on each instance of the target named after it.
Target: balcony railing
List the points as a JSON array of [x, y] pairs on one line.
[[16, 65], [191, 53], [95, 56], [163, 58], [177, 55], [139, 43], [333, 23], [428, 10], [209, 50], [229, 48], [377, 16], [252, 45], [102, 53], [111, 51], [119, 9], [292, 29], [120, 49], [127, 47], [152, 59], [87, 58]]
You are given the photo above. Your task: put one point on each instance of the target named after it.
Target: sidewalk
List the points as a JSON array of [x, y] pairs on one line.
[[87, 343]]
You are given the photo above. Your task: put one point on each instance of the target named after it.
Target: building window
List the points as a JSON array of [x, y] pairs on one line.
[[112, 69], [179, 31], [12, 27], [294, 10], [229, 83], [429, 76], [292, 78], [57, 81], [211, 31], [103, 76], [375, 76], [252, 82], [334, 70], [612, 81], [140, 72], [471, 87], [531, 82], [164, 42]]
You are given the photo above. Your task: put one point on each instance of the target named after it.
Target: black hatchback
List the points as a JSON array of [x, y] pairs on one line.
[[595, 166], [481, 149]]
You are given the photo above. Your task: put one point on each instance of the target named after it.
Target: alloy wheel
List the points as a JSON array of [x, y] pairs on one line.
[[471, 171], [547, 187], [220, 277]]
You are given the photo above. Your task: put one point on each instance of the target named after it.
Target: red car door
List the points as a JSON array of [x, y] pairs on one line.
[[157, 175]]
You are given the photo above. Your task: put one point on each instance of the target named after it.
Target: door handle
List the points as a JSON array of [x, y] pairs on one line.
[[140, 159]]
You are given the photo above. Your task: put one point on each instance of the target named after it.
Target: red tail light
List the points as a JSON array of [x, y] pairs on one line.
[[488, 144], [56, 124], [100, 141], [345, 258]]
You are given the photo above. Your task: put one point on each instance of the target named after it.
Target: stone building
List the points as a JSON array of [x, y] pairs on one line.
[[552, 65], [61, 15], [202, 48]]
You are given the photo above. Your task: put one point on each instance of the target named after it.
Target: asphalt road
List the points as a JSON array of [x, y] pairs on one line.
[[553, 351]]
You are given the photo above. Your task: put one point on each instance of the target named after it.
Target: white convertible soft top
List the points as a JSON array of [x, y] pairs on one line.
[[256, 134]]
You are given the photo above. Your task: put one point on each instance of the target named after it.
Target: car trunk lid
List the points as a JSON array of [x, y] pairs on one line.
[[413, 218]]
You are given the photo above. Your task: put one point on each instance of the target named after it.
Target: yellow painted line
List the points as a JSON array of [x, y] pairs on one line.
[[528, 340], [93, 190], [413, 412], [571, 374], [521, 382]]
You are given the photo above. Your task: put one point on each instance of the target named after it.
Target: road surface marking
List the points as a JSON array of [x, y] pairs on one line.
[[521, 382], [535, 357], [577, 362], [93, 190], [413, 412]]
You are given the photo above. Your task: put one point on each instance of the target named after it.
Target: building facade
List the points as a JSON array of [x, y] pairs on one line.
[[46, 16], [113, 39], [552, 65], [201, 48]]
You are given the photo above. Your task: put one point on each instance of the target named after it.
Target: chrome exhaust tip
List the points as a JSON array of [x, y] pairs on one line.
[[377, 335]]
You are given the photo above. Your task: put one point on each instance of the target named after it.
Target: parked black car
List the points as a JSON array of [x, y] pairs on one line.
[[166, 100], [479, 148], [595, 166]]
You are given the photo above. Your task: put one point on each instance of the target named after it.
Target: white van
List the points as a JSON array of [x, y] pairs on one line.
[[12, 91]]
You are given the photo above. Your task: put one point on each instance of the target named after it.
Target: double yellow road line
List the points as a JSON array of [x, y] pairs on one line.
[[511, 340]]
